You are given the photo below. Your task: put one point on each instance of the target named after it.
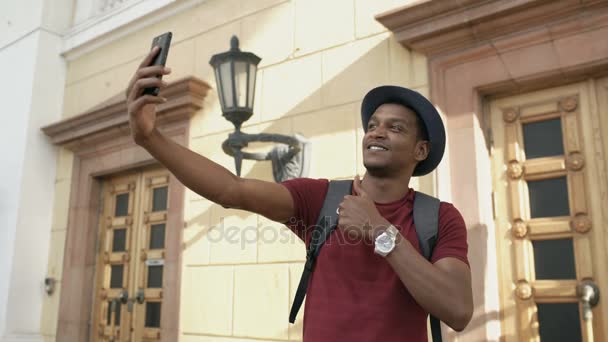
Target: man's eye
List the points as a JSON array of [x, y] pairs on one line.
[[371, 126], [397, 128]]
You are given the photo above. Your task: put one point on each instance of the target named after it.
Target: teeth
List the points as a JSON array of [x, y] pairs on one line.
[[377, 148]]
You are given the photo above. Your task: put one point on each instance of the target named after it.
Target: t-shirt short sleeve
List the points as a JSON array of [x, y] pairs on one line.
[[308, 196], [452, 235]]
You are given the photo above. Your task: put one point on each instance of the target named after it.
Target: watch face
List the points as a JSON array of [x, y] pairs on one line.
[[384, 243]]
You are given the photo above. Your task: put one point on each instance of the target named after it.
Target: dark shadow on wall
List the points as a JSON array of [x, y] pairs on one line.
[[477, 239]]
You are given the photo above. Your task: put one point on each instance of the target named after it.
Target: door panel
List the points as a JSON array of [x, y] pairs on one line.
[[150, 262], [130, 265], [548, 216], [120, 202]]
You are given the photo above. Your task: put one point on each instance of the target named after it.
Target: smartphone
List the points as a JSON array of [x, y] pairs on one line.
[[163, 41]]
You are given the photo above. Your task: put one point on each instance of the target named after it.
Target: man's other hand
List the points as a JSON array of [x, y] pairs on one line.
[[358, 215]]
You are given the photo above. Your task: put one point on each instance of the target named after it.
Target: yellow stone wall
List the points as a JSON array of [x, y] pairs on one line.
[[318, 60], [59, 226]]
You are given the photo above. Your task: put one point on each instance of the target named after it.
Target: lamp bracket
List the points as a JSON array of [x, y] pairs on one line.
[[289, 158]]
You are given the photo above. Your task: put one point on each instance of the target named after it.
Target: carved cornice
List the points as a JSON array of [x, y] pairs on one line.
[[435, 27], [109, 119]]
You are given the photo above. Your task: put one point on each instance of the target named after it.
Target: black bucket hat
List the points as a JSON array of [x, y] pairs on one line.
[[422, 107]]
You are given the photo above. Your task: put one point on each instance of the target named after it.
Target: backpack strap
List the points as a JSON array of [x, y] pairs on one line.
[[326, 223], [426, 221]]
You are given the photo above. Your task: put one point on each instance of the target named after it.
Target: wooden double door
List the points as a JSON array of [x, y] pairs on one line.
[[551, 212], [131, 257]]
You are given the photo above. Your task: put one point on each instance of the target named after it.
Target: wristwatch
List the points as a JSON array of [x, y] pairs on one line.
[[385, 242]]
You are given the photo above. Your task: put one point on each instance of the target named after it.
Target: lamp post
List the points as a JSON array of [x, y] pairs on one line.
[[235, 75]]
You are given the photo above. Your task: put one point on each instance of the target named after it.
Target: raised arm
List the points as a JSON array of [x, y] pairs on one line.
[[196, 172]]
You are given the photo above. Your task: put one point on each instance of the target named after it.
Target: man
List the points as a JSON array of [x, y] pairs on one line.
[[355, 294]]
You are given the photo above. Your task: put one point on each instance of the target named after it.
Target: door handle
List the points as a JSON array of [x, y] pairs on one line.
[[124, 296], [124, 299], [589, 295], [139, 296]]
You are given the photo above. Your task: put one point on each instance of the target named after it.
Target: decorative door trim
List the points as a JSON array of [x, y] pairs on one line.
[[102, 145]]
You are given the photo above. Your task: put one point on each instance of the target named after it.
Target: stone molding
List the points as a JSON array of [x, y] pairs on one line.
[[109, 119], [436, 27]]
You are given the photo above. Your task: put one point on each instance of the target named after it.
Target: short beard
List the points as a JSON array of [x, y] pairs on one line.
[[385, 171], [378, 171]]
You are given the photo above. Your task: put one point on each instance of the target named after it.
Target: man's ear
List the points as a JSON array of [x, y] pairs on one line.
[[423, 147]]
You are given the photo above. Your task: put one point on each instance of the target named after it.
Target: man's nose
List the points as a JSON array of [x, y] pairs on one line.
[[378, 132]]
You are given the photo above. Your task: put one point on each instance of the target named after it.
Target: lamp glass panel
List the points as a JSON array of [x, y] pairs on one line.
[[253, 69], [240, 71], [226, 84], [218, 80]]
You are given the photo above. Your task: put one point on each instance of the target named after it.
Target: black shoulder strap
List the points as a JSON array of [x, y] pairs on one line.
[[326, 223], [426, 221]]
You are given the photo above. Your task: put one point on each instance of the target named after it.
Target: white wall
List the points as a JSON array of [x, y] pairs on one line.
[[17, 19], [32, 94], [16, 92]]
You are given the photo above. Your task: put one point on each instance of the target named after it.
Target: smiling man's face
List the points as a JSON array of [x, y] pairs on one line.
[[393, 142]]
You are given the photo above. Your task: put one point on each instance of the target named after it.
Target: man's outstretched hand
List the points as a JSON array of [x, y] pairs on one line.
[[358, 215], [142, 109]]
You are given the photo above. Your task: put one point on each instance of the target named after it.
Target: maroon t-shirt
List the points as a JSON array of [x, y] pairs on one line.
[[354, 294]]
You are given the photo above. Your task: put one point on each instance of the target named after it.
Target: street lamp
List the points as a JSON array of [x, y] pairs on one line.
[[235, 76]]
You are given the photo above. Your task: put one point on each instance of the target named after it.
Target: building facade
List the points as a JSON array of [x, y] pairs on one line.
[[119, 250]]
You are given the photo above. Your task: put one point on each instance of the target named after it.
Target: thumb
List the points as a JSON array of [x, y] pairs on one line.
[[357, 186]]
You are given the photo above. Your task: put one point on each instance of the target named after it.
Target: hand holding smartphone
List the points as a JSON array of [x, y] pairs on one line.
[[163, 42]]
